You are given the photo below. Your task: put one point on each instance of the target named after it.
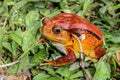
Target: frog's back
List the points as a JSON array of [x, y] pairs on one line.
[[72, 21]]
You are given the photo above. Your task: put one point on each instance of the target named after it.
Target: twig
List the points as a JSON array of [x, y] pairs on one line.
[[9, 64], [87, 74], [5, 22]]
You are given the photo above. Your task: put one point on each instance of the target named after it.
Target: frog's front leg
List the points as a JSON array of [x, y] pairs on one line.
[[66, 59]]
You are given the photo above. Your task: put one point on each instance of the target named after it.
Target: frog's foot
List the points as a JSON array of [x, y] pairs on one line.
[[68, 58], [42, 40], [99, 52], [45, 60]]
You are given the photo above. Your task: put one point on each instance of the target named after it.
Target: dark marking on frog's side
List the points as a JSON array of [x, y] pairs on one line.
[[77, 31]]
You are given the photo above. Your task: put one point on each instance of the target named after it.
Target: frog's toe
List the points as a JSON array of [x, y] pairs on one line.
[[43, 64], [47, 62], [44, 60]]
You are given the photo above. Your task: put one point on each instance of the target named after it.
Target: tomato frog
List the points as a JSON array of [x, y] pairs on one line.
[[67, 32]]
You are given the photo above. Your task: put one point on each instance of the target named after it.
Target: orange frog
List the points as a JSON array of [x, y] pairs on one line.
[[71, 34]]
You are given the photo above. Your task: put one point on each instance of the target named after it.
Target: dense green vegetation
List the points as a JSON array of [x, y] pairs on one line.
[[20, 21]]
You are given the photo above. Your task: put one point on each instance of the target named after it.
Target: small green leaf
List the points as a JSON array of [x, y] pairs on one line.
[[66, 10], [31, 19], [54, 78], [55, 0], [18, 5], [76, 75], [115, 39], [41, 76], [1, 38], [17, 36], [37, 56], [45, 12], [86, 7], [74, 66], [13, 69], [28, 40], [1, 10], [64, 71], [64, 4], [49, 69], [40, 5], [103, 71], [14, 49], [32, 23], [7, 45], [54, 12], [24, 63]]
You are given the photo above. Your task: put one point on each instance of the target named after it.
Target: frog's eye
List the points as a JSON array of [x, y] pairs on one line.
[[57, 30]]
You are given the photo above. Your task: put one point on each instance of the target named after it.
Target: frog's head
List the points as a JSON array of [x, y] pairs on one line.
[[53, 30]]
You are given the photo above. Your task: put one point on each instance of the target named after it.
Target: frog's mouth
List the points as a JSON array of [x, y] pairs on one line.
[[53, 38]]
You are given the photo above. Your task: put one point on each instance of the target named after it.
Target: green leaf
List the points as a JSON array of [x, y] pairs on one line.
[[49, 69], [115, 39], [17, 37], [40, 5], [76, 75], [55, 78], [28, 41], [41, 76], [32, 23], [10, 2], [37, 56], [18, 5], [23, 64], [13, 69], [31, 19], [14, 49], [86, 7], [103, 71], [1, 10], [54, 12], [55, 0], [44, 12], [17, 18], [74, 66], [1, 38], [8, 46], [64, 71], [63, 4]]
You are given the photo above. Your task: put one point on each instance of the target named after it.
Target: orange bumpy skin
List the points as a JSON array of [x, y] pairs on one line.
[[69, 30]]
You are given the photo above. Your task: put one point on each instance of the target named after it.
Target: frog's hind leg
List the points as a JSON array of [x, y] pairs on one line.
[[66, 59], [99, 51]]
